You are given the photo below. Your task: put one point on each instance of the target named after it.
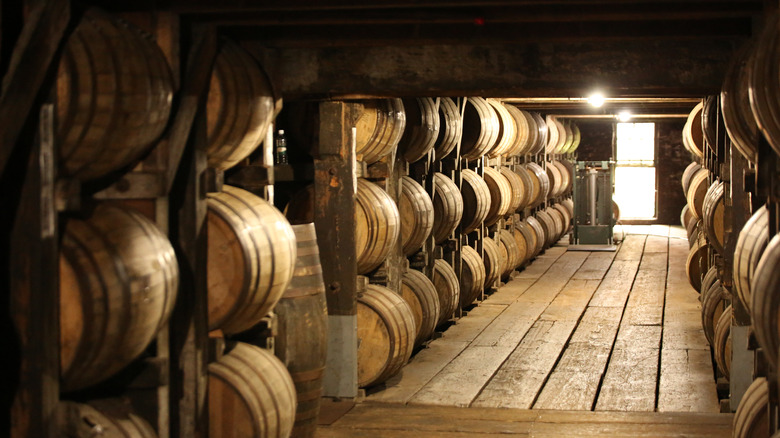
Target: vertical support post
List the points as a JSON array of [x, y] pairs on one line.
[[334, 206], [189, 322], [742, 359], [34, 291], [396, 260]]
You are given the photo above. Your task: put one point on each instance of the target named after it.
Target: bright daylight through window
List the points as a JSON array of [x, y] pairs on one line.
[[635, 191]]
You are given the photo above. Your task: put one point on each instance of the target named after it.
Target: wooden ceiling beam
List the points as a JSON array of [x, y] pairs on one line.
[[484, 15], [677, 68], [220, 6], [405, 35]]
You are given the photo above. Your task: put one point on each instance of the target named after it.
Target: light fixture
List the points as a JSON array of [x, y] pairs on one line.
[[596, 99], [624, 116]]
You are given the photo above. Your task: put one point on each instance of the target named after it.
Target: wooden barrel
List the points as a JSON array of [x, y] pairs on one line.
[[528, 186], [500, 192], [239, 109], [555, 178], [766, 300], [750, 246], [713, 215], [710, 118], [250, 394], [450, 128], [556, 133], [576, 138], [738, 117], [118, 282], [377, 225], [568, 204], [543, 134], [696, 192], [551, 230], [566, 181], [420, 294], [713, 301], [697, 263], [251, 258], [521, 234], [386, 334], [301, 342], [447, 287], [492, 261], [688, 175], [693, 231], [763, 85], [379, 128], [83, 420], [447, 207], [513, 252], [685, 216], [507, 131], [560, 223], [480, 128], [416, 213], [536, 171], [422, 128], [524, 137], [538, 234], [114, 94], [615, 212], [565, 218], [537, 133], [568, 138], [517, 189], [709, 278], [693, 134], [503, 255], [476, 200], [752, 417], [472, 275], [722, 343]]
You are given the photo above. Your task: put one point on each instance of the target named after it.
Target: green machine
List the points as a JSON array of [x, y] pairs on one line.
[[593, 219]]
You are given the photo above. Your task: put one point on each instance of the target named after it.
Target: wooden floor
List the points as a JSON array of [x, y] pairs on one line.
[[575, 331], [380, 420]]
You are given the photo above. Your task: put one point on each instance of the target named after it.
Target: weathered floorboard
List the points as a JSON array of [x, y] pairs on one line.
[[686, 382], [378, 420]]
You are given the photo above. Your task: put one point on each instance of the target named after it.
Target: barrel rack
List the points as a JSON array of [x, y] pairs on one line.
[[168, 386], [747, 187]]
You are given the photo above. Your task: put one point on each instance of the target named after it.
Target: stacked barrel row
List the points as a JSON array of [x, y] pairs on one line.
[[703, 217], [119, 275], [488, 128], [747, 107], [432, 129]]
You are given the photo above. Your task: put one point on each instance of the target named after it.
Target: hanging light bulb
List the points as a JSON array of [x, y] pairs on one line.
[[624, 116], [596, 99]]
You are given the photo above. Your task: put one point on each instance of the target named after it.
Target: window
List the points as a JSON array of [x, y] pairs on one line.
[[635, 177]]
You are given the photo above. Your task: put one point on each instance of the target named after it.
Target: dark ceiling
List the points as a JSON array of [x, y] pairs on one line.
[[632, 49]]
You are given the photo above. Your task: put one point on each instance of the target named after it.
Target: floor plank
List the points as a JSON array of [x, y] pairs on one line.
[[521, 377], [686, 381], [574, 332], [542, 263], [462, 379], [377, 420], [614, 288], [419, 371], [595, 266], [631, 248]]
